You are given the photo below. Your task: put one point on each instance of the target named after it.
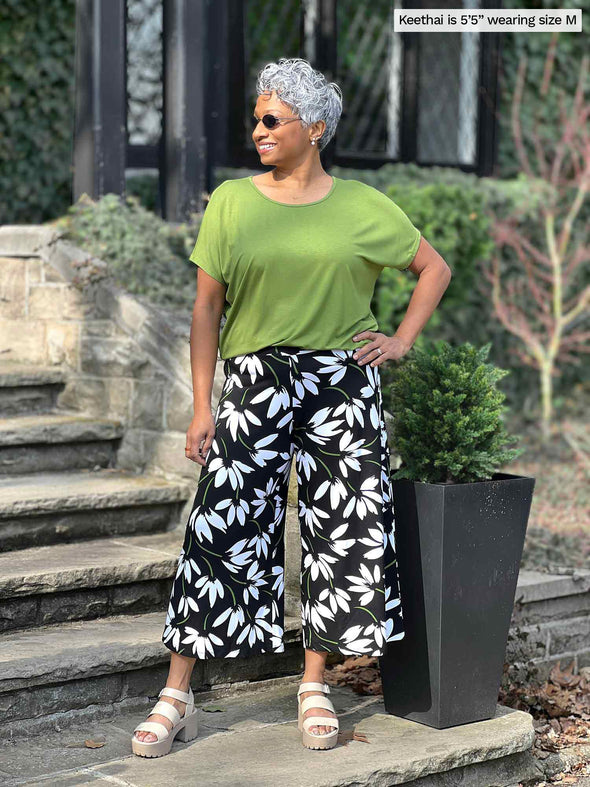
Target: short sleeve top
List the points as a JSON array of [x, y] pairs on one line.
[[300, 275]]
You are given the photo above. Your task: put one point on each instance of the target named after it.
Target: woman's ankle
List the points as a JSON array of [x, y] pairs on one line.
[[313, 677]]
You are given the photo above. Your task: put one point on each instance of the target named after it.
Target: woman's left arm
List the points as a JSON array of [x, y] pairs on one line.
[[434, 276]]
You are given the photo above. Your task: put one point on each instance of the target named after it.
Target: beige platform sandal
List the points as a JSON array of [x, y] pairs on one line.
[[315, 740], [185, 727]]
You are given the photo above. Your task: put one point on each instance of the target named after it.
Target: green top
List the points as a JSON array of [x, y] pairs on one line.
[[300, 275]]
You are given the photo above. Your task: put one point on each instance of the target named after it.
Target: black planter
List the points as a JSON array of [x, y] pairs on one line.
[[459, 548]]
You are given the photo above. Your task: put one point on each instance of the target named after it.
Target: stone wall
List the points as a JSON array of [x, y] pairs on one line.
[[550, 623], [126, 358]]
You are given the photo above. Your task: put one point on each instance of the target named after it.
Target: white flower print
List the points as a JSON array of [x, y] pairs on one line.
[[186, 603], [237, 558], [334, 364], [279, 513], [319, 430], [279, 583], [323, 410], [229, 469], [368, 392], [375, 540], [256, 629], [279, 399], [337, 490], [391, 603], [236, 510], [341, 545], [350, 452], [318, 613], [310, 516], [305, 381], [260, 542], [264, 497], [186, 565], [353, 409], [236, 617], [287, 421], [366, 583], [237, 419], [375, 422], [377, 631], [362, 501], [390, 536], [389, 629], [201, 643], [255, 579], [306, 462], [354, 644], [319, 564], [287, 456], [210, 585], [251, 364], [170, 613], [386, 485], [276, 638], [338, 598], [172, 634], [260, 455], [200, 523]]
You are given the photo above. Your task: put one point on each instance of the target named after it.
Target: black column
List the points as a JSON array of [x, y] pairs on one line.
[[489, 94], [326, 58], [220, 113], [99, 145], [184, 147]]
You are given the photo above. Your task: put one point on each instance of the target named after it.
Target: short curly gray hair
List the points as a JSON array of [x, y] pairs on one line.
[[306, 91]]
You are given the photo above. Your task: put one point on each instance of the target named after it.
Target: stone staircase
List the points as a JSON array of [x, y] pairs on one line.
[[95, 396], [87, 555]]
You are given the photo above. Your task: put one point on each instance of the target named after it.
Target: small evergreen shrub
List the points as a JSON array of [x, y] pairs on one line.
[[447, 416]]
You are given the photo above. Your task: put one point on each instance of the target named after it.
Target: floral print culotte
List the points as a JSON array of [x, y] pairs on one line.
[[227, 598]]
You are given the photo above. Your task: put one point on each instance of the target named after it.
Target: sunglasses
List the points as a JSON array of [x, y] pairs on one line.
[[270, 121]]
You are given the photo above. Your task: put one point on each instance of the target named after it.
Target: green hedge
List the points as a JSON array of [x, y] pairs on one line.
[[37, 100], [37, 43], [143, 254]]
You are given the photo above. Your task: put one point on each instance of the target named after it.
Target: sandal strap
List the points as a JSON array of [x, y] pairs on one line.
[[153, 726], [313, 686], [316, 701], [321, 721], [166, 709], [183, 696]]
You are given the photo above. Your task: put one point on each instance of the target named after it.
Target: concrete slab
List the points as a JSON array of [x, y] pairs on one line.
[[14, 374], [66, 491], [252, 739], [81, 649], [57, 427], [88, 564]]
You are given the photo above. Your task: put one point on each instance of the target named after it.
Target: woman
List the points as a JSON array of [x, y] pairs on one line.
[[293, 255]]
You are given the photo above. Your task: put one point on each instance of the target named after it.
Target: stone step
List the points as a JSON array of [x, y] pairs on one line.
[[27, 388], [46, 508], [251, 740], [56, 675], [61, 440], [87, 580]]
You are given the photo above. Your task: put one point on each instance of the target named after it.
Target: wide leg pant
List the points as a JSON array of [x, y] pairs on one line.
[[227, 599]]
